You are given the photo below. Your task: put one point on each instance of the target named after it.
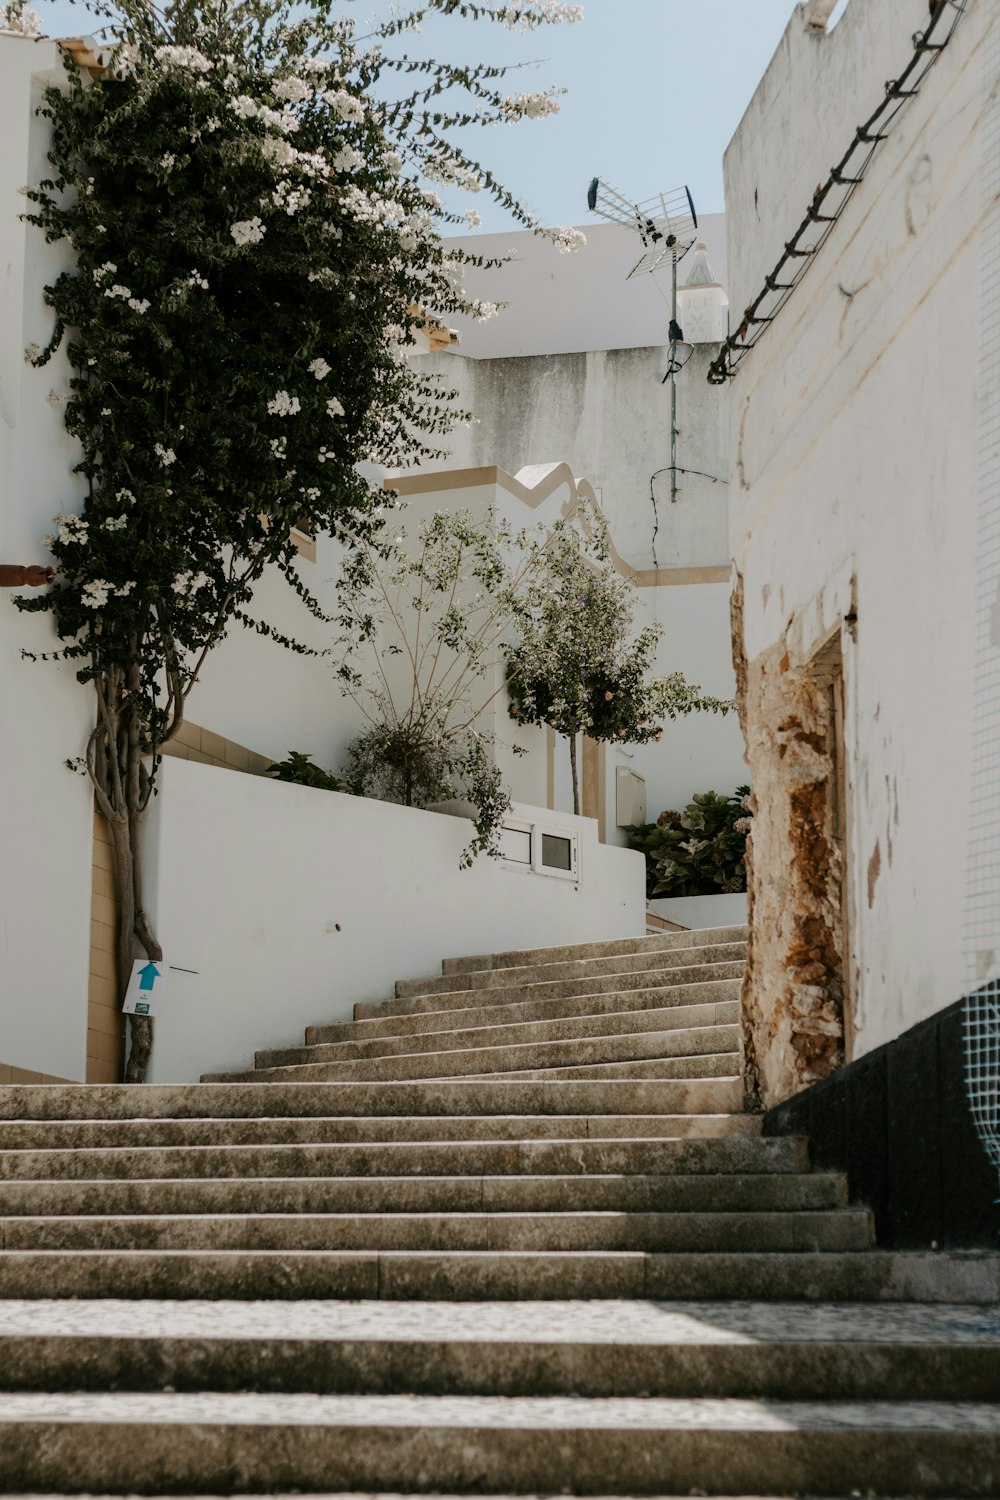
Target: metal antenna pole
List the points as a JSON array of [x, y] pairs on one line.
[[673, 380]]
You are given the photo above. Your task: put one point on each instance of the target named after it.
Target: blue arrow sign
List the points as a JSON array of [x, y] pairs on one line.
[[148, 976]]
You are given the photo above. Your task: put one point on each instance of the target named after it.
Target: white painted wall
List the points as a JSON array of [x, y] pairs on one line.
[[253, 906], [571, 304], [45, 810], [855, 450]]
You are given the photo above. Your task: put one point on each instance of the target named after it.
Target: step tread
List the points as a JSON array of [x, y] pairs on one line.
[[575, 1051], [416, 995], [510, 1413], [871, 1276], [616, 1321], [691, 938], [587, 1025]]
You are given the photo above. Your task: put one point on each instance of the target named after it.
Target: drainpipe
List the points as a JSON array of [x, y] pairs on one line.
[[16, 576]]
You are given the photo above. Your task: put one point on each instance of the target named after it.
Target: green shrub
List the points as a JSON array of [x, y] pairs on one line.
[[699, 852], [298, 767]]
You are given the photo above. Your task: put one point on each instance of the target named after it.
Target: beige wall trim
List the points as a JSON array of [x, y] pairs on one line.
[[551, 478], [192, 742], [10, 1074]]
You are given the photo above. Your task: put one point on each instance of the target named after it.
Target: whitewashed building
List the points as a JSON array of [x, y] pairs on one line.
[[275, 904], [864, 512]]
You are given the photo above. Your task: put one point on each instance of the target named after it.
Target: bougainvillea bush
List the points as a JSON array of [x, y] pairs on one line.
[[247, 191], [700, 851], [580, 667]]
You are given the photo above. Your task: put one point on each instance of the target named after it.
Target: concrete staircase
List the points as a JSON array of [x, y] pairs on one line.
[[508, 1232]]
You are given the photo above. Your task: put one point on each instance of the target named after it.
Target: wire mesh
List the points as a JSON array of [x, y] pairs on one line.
[[981, 1011]]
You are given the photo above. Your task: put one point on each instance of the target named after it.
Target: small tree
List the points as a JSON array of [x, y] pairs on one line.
[[423, 628], [578, 667], [256, 250]]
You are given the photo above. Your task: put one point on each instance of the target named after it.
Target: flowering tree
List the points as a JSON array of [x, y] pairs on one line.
[[421, 652], [577, 666], [256, 250]]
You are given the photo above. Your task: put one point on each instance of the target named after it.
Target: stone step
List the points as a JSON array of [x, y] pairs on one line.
[[830, 1229], [128, 1441], [256, 1099], [724, 985], [871, 1276], [674, 1193], [51, 1134], [603, 1023], [709, 1065], [675, 962], [517, 958], [782, 1351], [515, 1012], [413, 1158], [488, 1060]]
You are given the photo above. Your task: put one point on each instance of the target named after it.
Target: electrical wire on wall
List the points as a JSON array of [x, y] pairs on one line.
[[832, 196], [671, 469]]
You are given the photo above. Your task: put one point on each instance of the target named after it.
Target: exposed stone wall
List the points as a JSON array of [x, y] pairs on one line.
[[793, 993]]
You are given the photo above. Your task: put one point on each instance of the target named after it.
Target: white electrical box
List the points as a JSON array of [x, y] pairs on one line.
[[630, 798]]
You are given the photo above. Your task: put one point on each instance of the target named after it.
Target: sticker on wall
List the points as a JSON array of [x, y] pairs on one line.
[[146, 988]]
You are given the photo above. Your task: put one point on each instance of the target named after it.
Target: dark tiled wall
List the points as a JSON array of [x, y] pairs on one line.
[[897, 1121]]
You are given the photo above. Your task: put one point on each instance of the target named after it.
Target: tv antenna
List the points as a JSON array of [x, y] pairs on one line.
[[667, 225]]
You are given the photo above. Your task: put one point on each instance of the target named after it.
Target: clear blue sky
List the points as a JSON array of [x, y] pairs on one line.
[[656, 90]]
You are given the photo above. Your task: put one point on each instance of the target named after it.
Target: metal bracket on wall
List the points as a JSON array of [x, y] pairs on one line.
[[832, 196]]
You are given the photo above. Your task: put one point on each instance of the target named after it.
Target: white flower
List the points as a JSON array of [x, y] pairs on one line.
[[248, 231], [345, 105], [139, 305], [529, 106], [197, 279], [125, 497], [282, 153], [566, 239], [116, 523], [278, 446], [334, 408], [124, 589], [290, 198], [105, 411], [189, 59], [347, 159], [94, 595], [118, 290], [71, 529], [393, 162], [293, 89], [320, 369], [283, 405], [190, 583], [167, 161], [167, 456], [243, 107], [472, 218], [213, 124], [278, 119], [525, 17], [484, 311]]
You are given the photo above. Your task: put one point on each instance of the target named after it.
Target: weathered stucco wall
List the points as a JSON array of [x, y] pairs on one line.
[[852, 517]]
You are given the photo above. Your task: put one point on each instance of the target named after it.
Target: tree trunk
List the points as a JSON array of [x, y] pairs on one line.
[[576, 778], [122, 785]]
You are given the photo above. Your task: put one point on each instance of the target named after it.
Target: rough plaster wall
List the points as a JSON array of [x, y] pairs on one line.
[[608, 413], [793, 992]]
